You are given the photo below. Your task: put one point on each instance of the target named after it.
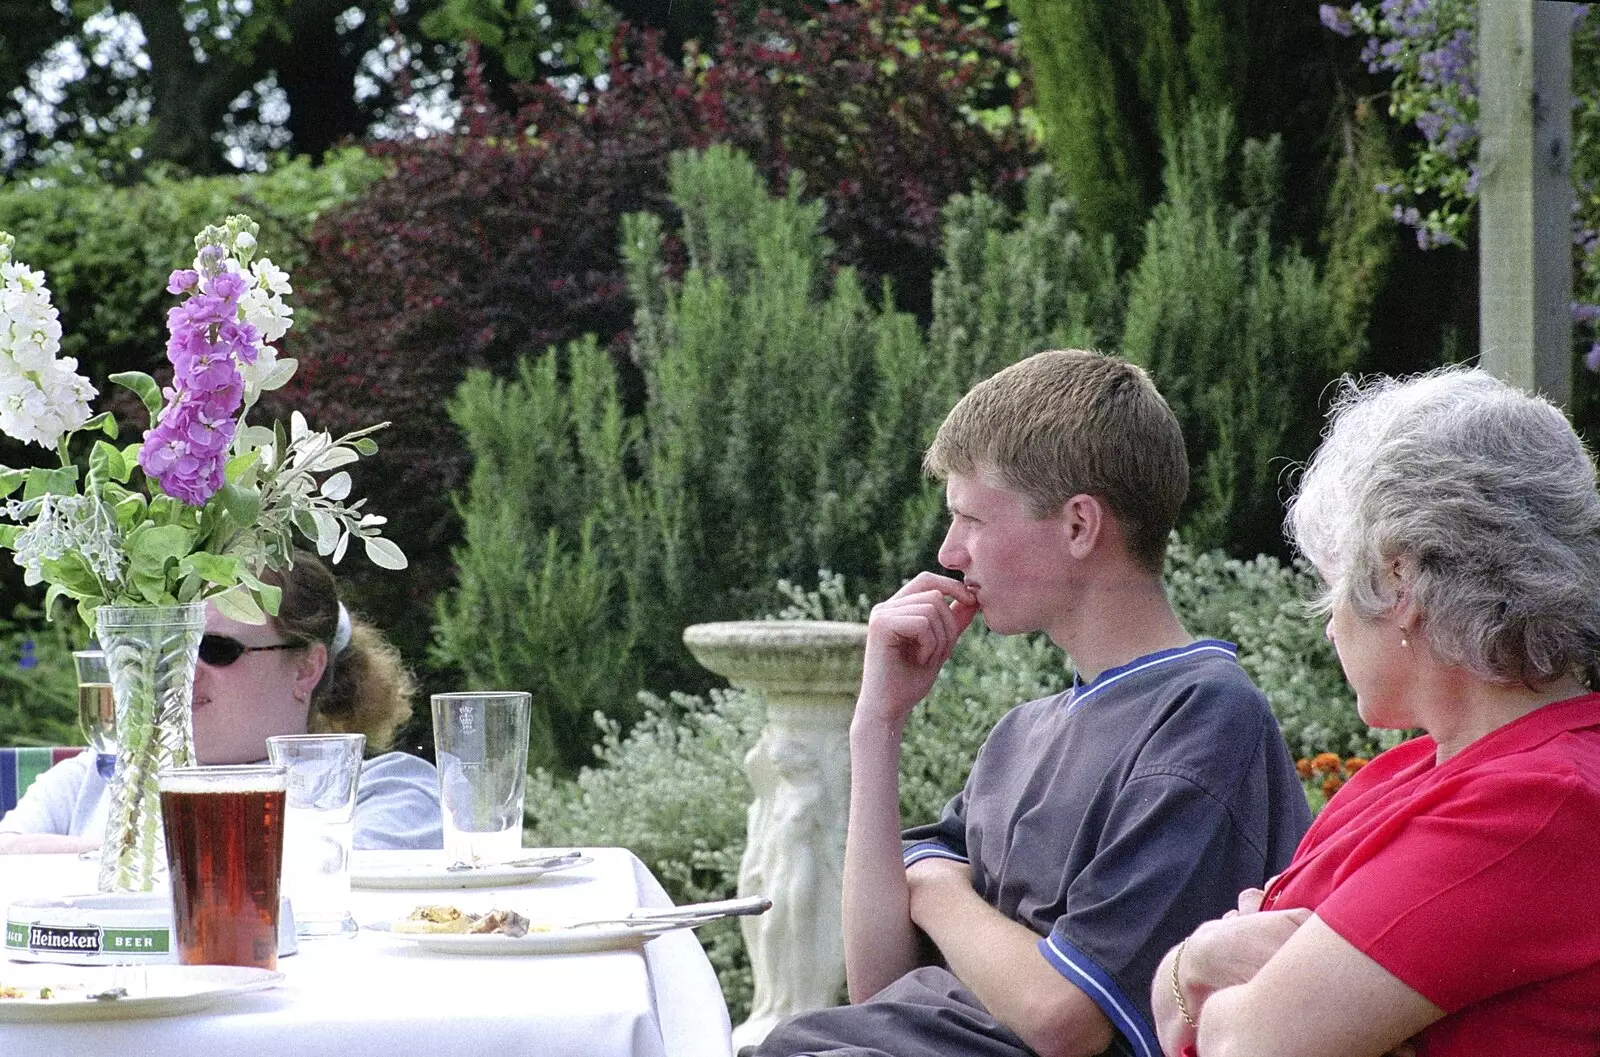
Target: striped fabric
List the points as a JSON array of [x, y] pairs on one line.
[[19, 767]]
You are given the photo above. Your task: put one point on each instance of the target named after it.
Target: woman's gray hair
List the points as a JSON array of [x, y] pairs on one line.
[[1483, 496]]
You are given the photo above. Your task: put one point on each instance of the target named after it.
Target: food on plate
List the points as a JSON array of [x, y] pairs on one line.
[[502, 922], [435, 919], [439, 919], [24, 992]]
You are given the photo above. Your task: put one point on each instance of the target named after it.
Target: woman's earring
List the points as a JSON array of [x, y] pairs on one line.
[[1403, 642]]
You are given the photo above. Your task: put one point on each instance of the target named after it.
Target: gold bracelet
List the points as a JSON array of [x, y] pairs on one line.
[[1177, 991]]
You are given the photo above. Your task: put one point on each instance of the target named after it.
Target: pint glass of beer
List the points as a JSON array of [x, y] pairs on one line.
[[224, 829]]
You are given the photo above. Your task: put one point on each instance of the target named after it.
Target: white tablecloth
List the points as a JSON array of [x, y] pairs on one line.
[[375, 996]]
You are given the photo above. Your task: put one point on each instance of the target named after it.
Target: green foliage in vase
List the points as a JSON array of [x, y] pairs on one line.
[[1240, 335], [546, 599], [204, 503]]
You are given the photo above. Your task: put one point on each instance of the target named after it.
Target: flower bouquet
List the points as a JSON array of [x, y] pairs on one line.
[[139, 537]]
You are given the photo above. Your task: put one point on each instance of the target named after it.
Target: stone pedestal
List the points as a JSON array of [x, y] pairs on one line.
[[810, 673]]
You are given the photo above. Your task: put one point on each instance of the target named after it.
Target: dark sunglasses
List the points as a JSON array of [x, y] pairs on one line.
[[219, 651]]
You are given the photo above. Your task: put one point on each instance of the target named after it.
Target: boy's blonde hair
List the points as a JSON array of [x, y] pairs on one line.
[[1074, 422]]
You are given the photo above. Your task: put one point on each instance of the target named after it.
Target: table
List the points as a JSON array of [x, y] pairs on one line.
[[374, 996]]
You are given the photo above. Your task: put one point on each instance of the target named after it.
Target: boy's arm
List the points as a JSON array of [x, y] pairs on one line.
[[909, 637], [999, 961], [880, 943]]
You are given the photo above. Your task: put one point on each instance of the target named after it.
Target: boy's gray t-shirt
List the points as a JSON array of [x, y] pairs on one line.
[[1112, 819]]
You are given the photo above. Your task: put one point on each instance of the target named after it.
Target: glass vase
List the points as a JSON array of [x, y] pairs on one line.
[[151, 653]]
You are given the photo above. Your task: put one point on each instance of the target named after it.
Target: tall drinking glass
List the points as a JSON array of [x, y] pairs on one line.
[[224, 828], [97, 709], [318, 828], [481, 746]]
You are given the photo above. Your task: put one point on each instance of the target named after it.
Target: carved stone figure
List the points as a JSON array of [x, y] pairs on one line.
[[799, 768]]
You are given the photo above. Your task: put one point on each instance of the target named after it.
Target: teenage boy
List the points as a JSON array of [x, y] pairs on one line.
[[1098, 826]]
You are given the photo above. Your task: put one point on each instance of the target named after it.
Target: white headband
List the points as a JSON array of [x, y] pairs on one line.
[[341, 634]]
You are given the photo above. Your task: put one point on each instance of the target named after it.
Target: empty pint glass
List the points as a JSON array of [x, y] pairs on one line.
[[224, 828], [481, 747], [318, 828]]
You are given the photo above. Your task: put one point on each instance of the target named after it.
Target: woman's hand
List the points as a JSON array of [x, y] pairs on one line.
[[1217, 955], [1232, 949]]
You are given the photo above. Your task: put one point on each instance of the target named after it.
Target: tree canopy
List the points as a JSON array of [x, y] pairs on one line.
[[213, 85]]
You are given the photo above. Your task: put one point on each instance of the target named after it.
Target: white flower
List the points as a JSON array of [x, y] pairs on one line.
[[266, 312], [40, 397], [254, 374], [269, 275]]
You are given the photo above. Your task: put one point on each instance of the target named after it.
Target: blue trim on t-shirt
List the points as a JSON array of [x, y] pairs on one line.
[[929, 849], [1081, 692], [1080, 970]]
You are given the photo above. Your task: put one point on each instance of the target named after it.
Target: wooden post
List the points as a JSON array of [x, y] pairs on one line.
[[1525, 193]]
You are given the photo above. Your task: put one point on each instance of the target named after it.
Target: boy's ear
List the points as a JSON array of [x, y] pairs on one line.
[[1083, 521]]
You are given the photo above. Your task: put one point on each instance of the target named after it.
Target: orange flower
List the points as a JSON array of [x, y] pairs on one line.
[[1303, 767], [1354, 764], [1325, 763], [1330, 786]]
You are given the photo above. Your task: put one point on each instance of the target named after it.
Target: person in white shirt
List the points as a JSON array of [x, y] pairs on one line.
[[311, 669]]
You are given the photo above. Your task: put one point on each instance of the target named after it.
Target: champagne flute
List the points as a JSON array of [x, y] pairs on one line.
[[97, 710]]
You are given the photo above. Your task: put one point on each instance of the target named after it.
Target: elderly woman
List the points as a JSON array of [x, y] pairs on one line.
[[1443, 901]]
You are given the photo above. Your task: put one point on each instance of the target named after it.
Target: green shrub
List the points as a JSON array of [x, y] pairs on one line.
[[594, 538], [107, 250], [38, 686], [1240, 335], [782, 429], [545, 603]]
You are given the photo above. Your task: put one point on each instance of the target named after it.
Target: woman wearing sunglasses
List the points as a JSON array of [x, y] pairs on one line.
[[311, 669]]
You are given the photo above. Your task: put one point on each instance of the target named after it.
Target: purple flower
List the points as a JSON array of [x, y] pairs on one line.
[[229, 285], [1582, 312], [1591, 359], [187, 449], [182, 281], [1336, 19]]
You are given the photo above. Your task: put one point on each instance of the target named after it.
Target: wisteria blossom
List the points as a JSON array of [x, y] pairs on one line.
[[1429, 50], [41, 397]]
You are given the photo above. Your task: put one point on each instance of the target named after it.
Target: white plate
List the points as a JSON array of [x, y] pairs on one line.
[[555, 941], [153, 990], [376, 869]]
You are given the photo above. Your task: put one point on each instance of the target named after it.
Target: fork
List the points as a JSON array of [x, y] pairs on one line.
[[690, 915]]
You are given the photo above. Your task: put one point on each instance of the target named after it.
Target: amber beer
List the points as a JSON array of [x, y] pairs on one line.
[[224, 829]]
